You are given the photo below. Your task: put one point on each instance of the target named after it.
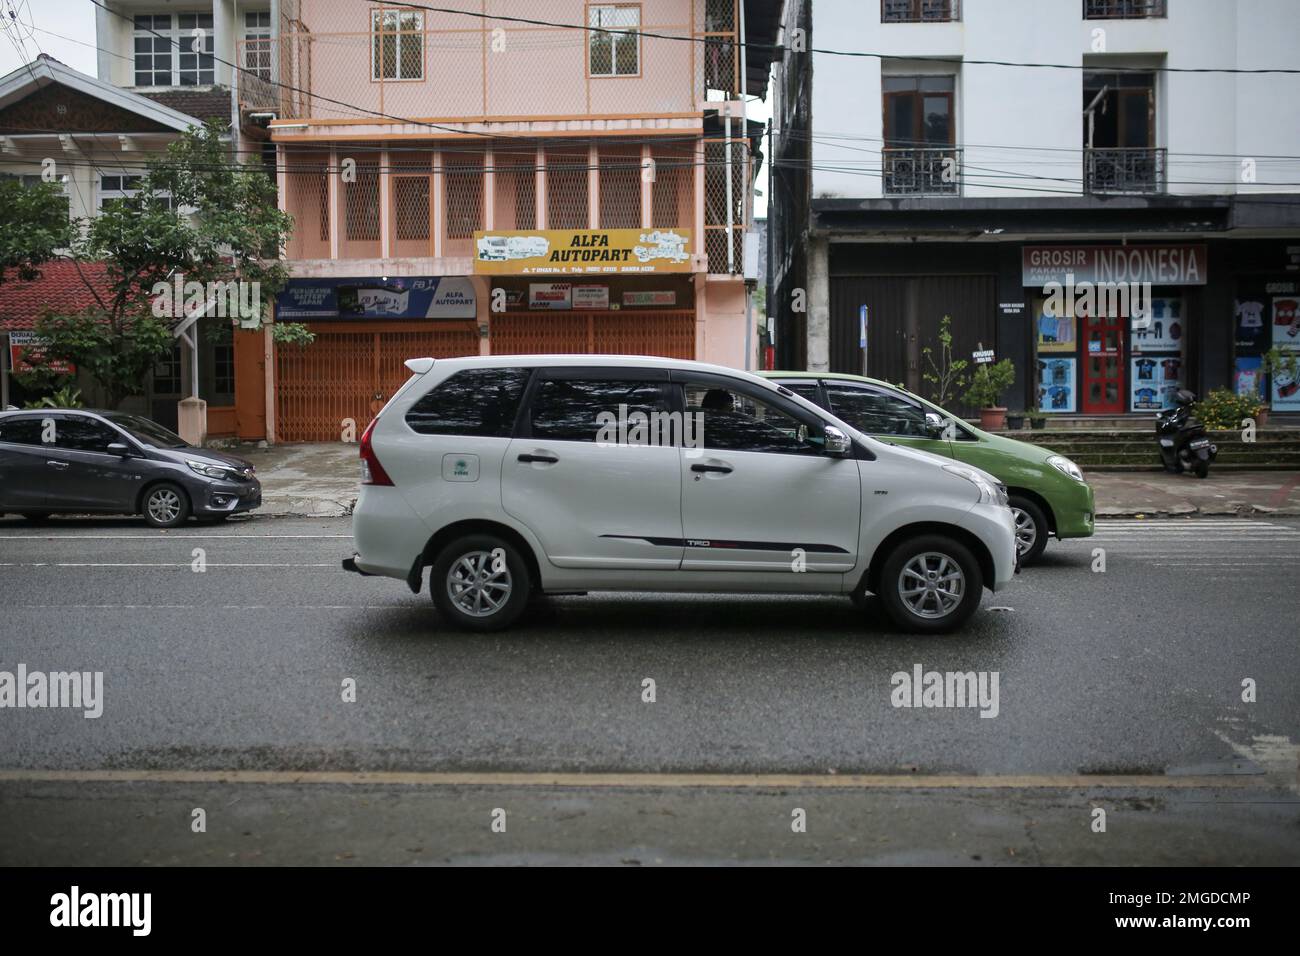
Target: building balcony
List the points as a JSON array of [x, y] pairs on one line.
[[925, 171], [1124, 9], [920, 11], [1124, 170], [427, 200]]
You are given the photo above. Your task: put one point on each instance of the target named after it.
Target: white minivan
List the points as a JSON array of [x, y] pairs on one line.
[[511, 476]]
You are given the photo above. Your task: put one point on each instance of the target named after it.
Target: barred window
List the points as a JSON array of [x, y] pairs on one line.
[[397, 45], [614, 53]]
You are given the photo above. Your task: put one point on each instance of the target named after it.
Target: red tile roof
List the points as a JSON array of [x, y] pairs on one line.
[[60, 288]]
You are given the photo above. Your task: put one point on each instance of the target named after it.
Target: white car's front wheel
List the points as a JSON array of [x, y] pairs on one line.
[[930, 584]]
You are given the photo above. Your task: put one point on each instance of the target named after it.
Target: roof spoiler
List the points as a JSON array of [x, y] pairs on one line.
[[419, 365]]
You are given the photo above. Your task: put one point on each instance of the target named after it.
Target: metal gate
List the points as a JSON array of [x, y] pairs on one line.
[[905, 312], [670, 334], [351, 370]]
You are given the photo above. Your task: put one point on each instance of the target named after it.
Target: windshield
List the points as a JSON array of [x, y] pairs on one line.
[[147, 432]]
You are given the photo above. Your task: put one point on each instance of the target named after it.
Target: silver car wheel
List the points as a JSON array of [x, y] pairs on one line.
[[477, 588], [1026, 530], [931, 585], [164, 505]]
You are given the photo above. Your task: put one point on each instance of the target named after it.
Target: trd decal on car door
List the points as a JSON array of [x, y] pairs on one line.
[[741, 545]]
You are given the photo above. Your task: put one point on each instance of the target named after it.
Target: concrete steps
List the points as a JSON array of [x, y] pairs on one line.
[[1131, 449]]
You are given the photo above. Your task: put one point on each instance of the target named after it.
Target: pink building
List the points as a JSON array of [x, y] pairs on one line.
[[518, 177]]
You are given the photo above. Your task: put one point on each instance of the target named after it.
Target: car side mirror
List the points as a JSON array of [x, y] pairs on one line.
[[935, 424], [838, 444], [117, 448]]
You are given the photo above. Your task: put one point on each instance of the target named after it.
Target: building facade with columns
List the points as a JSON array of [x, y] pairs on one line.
[[465, 183]]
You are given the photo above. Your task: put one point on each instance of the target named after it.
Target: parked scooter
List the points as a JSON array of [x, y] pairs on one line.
[[1183, 444]]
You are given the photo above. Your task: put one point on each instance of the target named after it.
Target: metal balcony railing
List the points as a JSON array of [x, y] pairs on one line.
[[919, 11], [1130, 170], [1124, 9], [928, 171]]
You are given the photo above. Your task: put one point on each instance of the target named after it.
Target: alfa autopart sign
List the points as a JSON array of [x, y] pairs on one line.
[[582, 252]]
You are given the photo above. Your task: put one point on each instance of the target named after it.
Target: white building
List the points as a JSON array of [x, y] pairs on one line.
[[923, 182]]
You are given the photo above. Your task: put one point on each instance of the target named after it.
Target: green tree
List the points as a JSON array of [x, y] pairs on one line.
[[198, 216], [34, 227], [947, 376]]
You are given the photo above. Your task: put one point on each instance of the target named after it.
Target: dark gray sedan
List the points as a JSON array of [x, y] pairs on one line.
[[78, 461]]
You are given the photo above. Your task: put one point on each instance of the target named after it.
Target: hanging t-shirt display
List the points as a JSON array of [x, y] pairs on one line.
[[1055, 332], [1252, 330], [1056, 384], [1249, 378], [1164, 333], [1154, 382], [1286, 322], [1155, 375]]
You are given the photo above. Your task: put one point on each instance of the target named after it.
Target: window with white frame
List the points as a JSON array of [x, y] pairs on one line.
[[174, 51], [195, 62], [154, 52], [397, 44], [257, 44], [115, 187], [614, 53]]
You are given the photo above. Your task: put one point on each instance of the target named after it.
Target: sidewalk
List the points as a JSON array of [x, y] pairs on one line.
[[321, 481]]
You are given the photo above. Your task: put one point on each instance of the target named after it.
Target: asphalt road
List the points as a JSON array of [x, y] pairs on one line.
[[1119, 689]]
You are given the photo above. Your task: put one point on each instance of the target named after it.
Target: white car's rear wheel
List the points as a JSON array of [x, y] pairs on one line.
[[480, 582]]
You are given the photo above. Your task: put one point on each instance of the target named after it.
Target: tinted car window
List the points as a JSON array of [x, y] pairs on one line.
[[83, 434], [147, 432], [569, 409], [806, 390], [479, 402], [735, 421], [876, 411], [21, 431]]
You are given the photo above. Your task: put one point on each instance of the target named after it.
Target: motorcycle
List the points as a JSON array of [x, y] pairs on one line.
[[1183, 443]]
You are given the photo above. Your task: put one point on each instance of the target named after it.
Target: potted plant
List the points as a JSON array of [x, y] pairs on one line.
[[947, 376], [1015, 421], [1037, 420], [986, 387]]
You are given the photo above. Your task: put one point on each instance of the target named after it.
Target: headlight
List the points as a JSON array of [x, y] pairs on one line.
[[1063, 464], [991, 493], [210, 471]]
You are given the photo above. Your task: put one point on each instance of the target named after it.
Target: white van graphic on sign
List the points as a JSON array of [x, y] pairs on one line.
[[503, 248], [661, 245]]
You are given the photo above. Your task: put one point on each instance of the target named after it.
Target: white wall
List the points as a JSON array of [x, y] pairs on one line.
[[1028, 121]]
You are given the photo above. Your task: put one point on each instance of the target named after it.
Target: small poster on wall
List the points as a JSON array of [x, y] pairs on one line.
[[1165, 331], [1055, 332], [1248, 314], [1248, 380], [1154, 381], [1056, 384], [1286, 322]]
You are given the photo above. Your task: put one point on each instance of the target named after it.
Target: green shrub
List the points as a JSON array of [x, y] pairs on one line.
[[989, 382], [1223, 409]]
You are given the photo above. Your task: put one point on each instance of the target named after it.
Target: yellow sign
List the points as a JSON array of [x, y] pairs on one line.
[[582, 252]]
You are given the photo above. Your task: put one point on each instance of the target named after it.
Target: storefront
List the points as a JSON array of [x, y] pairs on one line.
[[365, 329], [617, 291], [1110, 324], [1266, 315]]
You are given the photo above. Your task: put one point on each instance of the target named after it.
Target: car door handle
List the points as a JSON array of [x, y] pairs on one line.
[[720, 469], [545, 459], [57, 464]]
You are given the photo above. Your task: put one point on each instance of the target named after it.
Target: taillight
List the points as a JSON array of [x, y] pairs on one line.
[[372, 472]]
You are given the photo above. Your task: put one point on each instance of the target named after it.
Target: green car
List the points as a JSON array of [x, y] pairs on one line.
[[1047, 491]]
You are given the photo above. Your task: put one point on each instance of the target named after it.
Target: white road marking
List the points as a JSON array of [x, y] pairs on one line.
[[146, 564], [159, 537], [782, 781]]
